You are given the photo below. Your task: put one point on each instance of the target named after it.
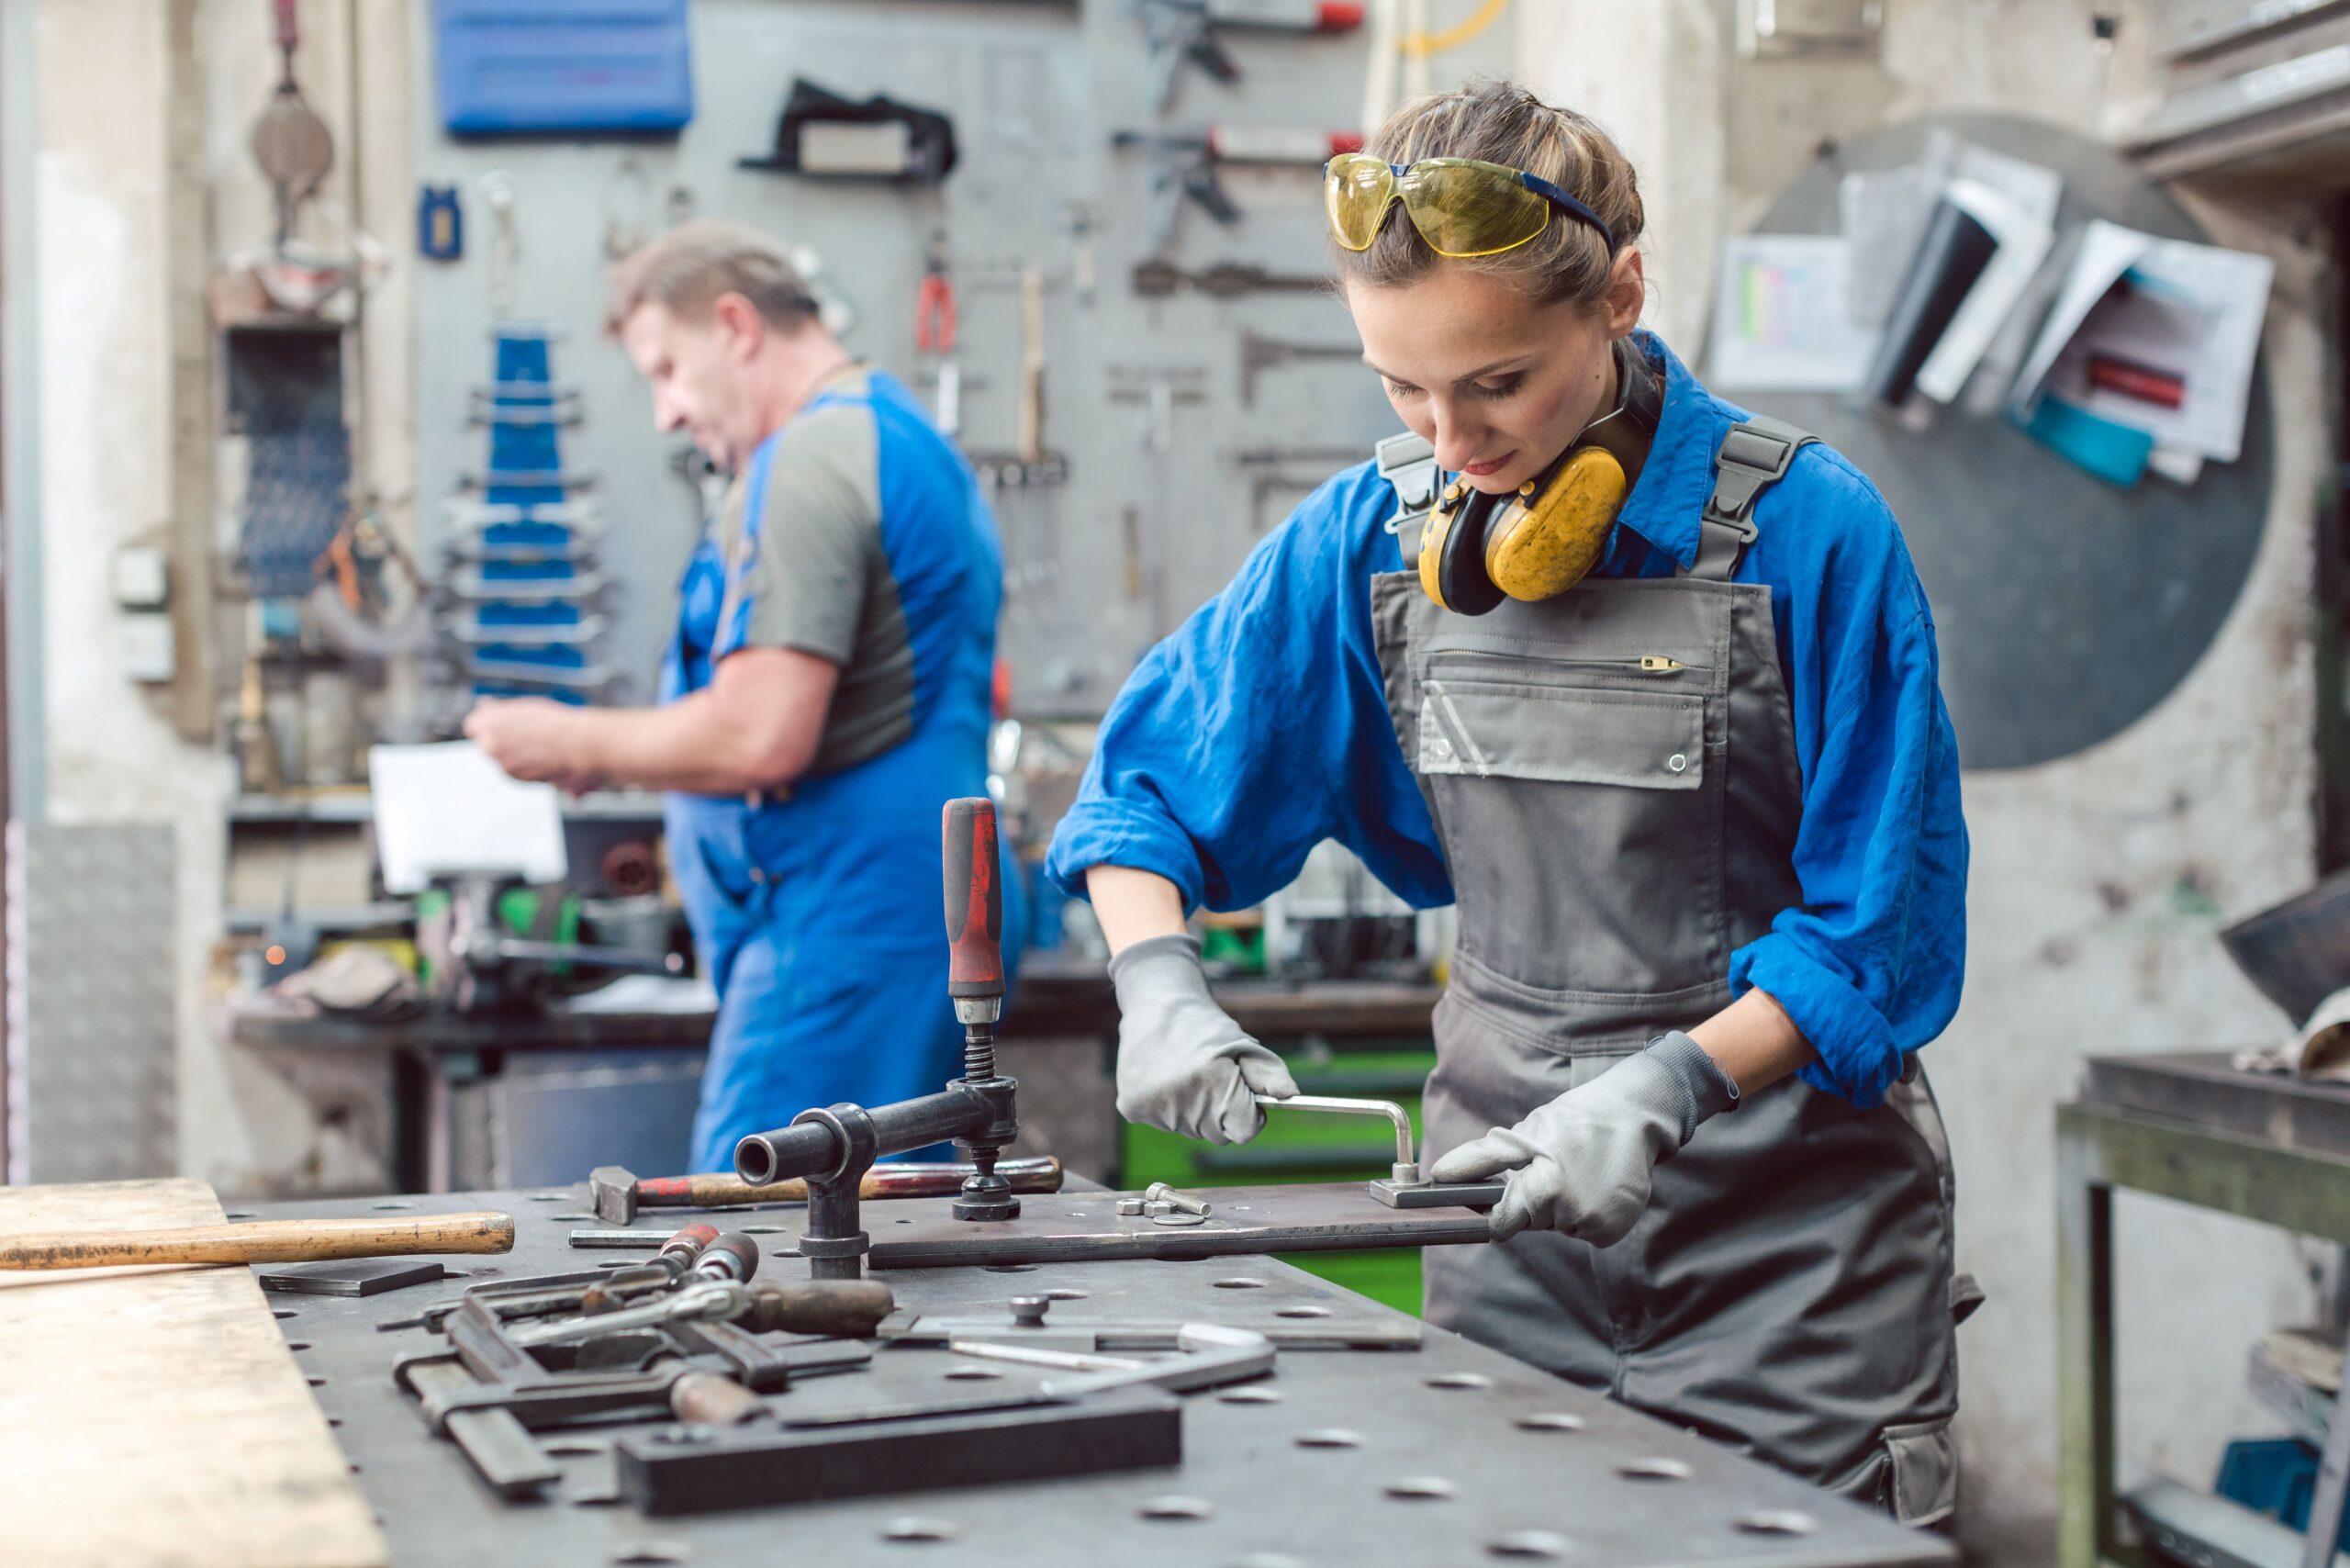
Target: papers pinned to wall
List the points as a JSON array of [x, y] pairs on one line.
[[2155, 335], [1780, 321]]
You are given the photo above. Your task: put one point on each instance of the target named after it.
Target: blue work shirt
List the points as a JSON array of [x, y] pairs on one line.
[[1261, 727]]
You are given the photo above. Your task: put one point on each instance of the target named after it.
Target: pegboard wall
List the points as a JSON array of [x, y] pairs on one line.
[[1177, 460]]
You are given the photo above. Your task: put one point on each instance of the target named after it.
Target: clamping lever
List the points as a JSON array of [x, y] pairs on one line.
[[1403, 1187]]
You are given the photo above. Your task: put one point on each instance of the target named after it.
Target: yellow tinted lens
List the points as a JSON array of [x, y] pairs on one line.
[[1472, 209], [1356, 190]]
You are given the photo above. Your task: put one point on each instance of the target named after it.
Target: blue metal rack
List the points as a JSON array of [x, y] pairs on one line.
[[520, 588]]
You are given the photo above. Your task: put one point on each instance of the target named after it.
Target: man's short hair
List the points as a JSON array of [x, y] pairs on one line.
[[686, 270]]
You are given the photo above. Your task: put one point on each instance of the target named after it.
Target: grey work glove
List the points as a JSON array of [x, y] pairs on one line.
[[1183, 1064], [1581, 1165]]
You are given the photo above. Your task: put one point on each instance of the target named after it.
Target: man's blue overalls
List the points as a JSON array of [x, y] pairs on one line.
[[818, 910]]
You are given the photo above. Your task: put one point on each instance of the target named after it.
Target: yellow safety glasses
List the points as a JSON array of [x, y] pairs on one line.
[[1462, 207]]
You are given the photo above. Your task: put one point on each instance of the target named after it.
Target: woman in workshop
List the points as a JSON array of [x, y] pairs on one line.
[[1650, 693]]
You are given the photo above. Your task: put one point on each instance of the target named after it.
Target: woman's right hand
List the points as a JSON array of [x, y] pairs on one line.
[[1183, 1065]]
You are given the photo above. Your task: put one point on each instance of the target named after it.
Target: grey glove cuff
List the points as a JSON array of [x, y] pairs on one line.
[[1703, 1089], [1155, 966]]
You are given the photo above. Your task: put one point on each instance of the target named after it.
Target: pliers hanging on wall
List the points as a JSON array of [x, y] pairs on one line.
[[935, 303]]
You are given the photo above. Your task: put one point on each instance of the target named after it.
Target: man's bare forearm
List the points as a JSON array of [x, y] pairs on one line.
[[684, 746]]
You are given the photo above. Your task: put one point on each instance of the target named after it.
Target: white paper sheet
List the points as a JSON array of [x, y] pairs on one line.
[[2227, 289], [449, 810], [1780, 323], [2024, 237]]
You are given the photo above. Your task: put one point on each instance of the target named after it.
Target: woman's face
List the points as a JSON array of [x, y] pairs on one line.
[[1498, 384]]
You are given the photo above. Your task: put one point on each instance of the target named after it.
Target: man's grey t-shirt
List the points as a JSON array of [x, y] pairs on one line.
[[819, 580]]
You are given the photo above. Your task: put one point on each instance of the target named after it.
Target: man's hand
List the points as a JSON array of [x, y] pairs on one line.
[[535, 739], [1582, 1164], [1183, 1064]]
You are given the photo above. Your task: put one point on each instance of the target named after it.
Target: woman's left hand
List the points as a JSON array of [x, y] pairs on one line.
[[1581, 1165]]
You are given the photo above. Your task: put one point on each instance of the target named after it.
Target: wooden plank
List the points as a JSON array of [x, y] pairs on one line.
[[155, 1415]]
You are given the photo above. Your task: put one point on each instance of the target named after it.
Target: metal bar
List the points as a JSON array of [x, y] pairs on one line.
[[20, 410], [2085, 1530], [2298, 1191], [2324, 1525]]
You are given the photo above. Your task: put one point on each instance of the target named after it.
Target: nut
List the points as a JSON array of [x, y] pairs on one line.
[[1130, 1205]]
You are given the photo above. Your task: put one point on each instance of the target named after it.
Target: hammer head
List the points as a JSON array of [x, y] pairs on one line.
[[614, 1188]]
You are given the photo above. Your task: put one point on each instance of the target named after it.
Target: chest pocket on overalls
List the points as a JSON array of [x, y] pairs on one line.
[[1578, 807]]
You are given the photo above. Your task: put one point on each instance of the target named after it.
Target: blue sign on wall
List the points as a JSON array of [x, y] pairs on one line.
[[562, 67]]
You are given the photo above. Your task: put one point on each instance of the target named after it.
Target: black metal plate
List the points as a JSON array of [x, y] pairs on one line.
[[687, 1470], [348, 1276]]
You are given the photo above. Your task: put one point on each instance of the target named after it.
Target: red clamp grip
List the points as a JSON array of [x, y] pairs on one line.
[[974, 900]]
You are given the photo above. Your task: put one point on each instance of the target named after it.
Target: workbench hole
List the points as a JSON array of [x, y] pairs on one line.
[[1422, 1489], [1549, 1421], [1064, 1293], [904, 1222], [238, 1214], [683, 1437], [546, 1197], [1304, 1312], [334, 1421], [761, 1229], [1778, 1521], [577, 1448], [1329, 1438], [1007, 1268], [1654, 1469], [283, 1313], [614, 1263], [1460, 1380], [1177, 1507], [297, 1344], [392, 1203], [1539, 1544], [1249, 1397], [574, 1213], [920, 1530], [973, 1374], [651, 1552], [1240, 1283], [316, 1382]]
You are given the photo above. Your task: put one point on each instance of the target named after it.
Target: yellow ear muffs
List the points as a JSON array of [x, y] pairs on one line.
[[1551, 531], [1452, 552]]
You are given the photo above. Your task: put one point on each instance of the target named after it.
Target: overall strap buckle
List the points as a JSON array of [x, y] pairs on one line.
[[1754, 456], [1408, 463]]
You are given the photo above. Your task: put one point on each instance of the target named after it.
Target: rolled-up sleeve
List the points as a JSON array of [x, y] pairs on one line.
[[1869, 966], [1258, 729]]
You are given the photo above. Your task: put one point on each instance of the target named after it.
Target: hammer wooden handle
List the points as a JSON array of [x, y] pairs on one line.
[[1042, 1174], [261, 1241]]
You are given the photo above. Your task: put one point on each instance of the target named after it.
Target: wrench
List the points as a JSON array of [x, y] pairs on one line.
[[695, 1304]]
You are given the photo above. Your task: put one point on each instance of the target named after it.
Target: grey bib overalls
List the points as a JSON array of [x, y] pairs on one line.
[[1614, 781]]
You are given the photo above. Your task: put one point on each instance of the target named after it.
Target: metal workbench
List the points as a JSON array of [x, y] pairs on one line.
[[2189, 1128], [1531, 1467]]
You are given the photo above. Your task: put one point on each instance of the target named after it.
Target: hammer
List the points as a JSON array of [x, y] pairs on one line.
[[261, 1241], [618, 1193]]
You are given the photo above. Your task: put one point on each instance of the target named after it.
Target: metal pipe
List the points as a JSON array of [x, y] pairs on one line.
[[813, 1148], [1406, 1169]]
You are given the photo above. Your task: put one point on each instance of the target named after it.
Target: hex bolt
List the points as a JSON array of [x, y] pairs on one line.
[[1173, 1199], [1028, 1311]]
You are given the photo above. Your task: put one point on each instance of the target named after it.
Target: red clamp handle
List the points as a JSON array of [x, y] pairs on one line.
[[974, 900]]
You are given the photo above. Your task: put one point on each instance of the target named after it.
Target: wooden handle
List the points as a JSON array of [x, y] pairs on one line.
[[261, 1241], [1040, 1174]]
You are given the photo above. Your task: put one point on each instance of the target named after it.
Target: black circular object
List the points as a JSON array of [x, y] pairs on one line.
[[2066, 608]]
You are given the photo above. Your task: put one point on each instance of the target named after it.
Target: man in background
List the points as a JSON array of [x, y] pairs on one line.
[[825, 692]]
